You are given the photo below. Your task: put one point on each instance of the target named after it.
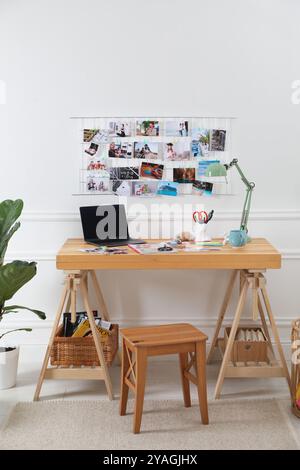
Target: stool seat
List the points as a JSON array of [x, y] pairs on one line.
[[161, 335], [180, 338]]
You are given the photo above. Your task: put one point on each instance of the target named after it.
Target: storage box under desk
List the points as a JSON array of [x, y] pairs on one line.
[[247, 351]]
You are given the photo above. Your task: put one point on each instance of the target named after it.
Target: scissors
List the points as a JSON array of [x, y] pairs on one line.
[[200, 217]]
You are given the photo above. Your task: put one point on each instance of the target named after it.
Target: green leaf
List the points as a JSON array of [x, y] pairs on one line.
[[5, 239], [17, 329], [13, 276], [15, 308], [10, 211]]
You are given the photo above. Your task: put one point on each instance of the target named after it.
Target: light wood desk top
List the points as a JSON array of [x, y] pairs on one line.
[[258, 254]]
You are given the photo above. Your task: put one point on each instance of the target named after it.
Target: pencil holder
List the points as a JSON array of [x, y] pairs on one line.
[[200, 233]]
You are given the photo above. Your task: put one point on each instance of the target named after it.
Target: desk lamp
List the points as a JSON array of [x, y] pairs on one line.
[[217, 169]]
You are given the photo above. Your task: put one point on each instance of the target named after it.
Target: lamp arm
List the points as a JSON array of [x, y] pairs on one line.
[[249, 189]]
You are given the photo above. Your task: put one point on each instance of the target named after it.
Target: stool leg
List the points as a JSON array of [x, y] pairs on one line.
[[124, 386], [183, 359], [141, 366], [201, 376]]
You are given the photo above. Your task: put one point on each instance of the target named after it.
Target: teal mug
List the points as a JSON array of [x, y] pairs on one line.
[[237, 238]]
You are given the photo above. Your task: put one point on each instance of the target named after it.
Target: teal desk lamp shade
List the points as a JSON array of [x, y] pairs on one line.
[[217, 169]]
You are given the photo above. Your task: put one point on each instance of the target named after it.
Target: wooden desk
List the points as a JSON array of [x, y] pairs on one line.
[[250, 262]]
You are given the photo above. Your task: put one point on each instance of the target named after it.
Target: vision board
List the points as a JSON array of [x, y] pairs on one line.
[[151, 156]]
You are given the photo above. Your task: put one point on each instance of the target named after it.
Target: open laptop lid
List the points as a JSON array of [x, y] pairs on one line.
[[104, 222]]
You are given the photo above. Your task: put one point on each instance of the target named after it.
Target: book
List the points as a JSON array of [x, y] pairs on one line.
[[84, 329], [68, 326]]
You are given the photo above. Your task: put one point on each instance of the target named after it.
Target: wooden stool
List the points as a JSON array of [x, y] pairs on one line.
[[182, 339]]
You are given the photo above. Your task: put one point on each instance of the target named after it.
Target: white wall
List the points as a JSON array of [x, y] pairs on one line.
[[62, 58]]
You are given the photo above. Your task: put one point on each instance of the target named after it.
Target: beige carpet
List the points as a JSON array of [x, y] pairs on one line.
[[239, 424]]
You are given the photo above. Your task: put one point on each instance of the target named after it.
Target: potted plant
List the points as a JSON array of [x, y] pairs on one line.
[[13, 276]]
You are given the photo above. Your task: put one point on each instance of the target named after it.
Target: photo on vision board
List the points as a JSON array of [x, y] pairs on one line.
[[124, 173], [179, 150], [144, 188], [151, 170], [147, 128], [167, 188], [217, 140], [202, 188], [120, 128], [146, 150], [200, 142], [97, 183], [184, 175], [120, 150], [122, 188], [177, 128]]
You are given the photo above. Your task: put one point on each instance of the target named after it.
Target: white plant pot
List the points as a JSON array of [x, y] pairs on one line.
[[8, 368]]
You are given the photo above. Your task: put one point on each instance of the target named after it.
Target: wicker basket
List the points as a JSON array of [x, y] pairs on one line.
[[68, 351], [295, 367]]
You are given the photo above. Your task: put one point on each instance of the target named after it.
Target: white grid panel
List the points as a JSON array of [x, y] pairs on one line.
[[91, 167]]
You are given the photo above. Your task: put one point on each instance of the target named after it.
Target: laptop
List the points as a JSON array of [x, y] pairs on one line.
[[106, 225]]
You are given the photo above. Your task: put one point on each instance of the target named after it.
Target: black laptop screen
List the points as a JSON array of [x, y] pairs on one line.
[[104, 222]]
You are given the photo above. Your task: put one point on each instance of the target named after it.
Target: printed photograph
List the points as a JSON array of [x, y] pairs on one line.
[[146, 150], [119, 128], [167, 188], [177, 151], [217, 140], [184, 175], [202, 188], [177, 128], [151, 170], [98, 184], [203, 165], [147, 128], [200, 142], [144, 188], [88, 134], [122, 188], [120, 150], [92, 149], [96, 166], [124, 173]]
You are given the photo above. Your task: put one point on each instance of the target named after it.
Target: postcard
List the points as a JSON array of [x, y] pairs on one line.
[[122, 188], [92, 149], [96, 166], [120, 129], [147, 128], [97, 184], [202, 187], [101, 137], [179, 150], [124, 173], [178, 128], [217, 140], [88, 134], [120, 150], [200, 142], [151, 170], [167, 188], [204, 164], [147, 150], [184, 175], [144, 188], [150, 248]]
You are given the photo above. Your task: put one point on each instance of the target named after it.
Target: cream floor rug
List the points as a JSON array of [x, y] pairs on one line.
[[239, 424]]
